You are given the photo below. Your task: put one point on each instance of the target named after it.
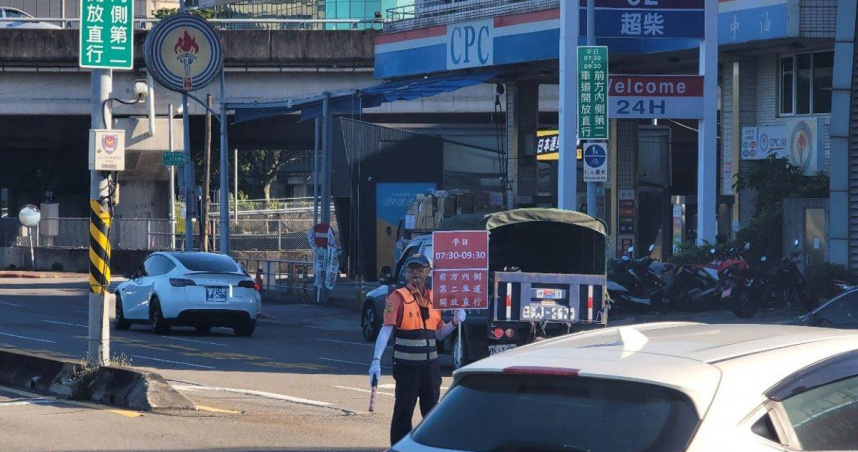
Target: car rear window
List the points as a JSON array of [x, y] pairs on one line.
[[213, 263], [512, 413]]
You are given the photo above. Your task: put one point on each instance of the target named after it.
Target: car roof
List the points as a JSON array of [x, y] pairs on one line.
[[682, 356]]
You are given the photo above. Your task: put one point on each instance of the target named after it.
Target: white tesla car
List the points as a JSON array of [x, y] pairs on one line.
[[664, 387], [201, 290], [10, 14]]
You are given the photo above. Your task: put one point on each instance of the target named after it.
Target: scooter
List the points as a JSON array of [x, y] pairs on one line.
[[695, 287], [631, 283]]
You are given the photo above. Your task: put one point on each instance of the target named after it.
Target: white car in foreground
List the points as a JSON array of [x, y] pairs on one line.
[[201, 290], [663, 387]]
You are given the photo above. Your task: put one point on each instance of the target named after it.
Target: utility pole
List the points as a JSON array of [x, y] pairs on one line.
[[592, 207], [98, 350], [325, 204], [204, 216], [235, 181], [567, 174], [190, 186]]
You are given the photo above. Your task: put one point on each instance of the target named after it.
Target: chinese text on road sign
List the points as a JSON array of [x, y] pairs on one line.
[[460, 278], [593, 93], [107, 34]]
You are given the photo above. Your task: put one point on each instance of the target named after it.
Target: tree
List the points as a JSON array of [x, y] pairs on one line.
[[773, 180], [264, 165]]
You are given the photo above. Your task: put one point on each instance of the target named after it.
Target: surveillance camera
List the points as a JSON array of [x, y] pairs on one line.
[[141, 88]]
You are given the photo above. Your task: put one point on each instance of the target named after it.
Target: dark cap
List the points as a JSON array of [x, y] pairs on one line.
[[418, 259]]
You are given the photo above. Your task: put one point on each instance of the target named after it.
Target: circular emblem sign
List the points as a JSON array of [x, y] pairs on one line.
[[595, 155], [183, 53], [801, 151]]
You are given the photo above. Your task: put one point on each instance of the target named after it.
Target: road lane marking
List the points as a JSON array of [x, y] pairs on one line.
[[266, 395], [28, 338], [348, 362], [92, 406], [193, 341], [65, 323], [346, 342], [172, 362], [12, 304], [216, 410], [364, 390], [33, 401]]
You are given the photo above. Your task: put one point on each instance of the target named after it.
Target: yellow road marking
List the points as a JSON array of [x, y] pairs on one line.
[[126, 413], [216, 410]]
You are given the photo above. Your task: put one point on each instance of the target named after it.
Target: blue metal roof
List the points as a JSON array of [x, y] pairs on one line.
[[354, 101]]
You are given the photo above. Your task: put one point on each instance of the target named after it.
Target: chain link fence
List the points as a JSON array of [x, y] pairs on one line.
[[426, 13]]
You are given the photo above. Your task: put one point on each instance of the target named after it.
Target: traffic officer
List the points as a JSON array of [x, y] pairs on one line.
[[416, 327]]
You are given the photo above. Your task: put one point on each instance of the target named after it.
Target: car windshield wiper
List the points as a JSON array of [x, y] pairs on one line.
[[533, 446]]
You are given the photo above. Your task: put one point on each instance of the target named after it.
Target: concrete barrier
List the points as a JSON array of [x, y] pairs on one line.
[[115, 386]]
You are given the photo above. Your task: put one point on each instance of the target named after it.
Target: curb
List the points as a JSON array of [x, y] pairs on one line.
[[113, 386], [38, 275]]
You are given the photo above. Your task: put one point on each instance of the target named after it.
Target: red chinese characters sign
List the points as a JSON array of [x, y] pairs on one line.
[[460, 277]]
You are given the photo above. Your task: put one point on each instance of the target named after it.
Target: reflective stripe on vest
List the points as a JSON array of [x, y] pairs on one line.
[[417, 344]]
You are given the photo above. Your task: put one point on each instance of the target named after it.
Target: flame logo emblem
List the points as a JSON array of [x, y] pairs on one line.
[[186, 49]]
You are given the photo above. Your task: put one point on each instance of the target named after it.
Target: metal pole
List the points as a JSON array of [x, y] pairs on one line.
[[172, 184], [707, 152], [98, 350], [190, 192], [567, 182], [224, 171], [235, 181], [316, 172], [592, 208], [325, 204], [207, 173], [32, 250]]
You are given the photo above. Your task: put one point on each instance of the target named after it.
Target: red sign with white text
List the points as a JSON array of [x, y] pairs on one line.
[[460, 277]]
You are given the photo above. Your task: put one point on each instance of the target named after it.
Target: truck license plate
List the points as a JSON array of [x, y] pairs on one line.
[[540, 312], [216, 294], [495, 349]]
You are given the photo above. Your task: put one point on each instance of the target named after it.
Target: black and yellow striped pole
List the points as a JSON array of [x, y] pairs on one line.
[[99, 248]]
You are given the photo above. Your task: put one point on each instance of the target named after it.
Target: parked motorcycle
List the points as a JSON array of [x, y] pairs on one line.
[[772, 285], [695, 287], [631, 283]]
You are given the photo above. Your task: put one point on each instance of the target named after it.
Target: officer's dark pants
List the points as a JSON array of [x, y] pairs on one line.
[[423, 381]]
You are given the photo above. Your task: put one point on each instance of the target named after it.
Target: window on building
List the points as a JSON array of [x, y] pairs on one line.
[[805, 83]]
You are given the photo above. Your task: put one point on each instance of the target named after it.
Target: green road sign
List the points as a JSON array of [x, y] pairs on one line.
[[107, 34], [592, 93], [173, 158]]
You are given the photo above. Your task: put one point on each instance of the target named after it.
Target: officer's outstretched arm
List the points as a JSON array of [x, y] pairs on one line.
[[380, 345], [381, 342], [444, 331]]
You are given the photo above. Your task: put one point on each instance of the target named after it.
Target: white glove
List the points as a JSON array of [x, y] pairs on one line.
[[375, 371], [459, 316]]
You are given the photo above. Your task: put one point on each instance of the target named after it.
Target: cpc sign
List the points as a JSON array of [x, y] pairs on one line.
[[470, 44]]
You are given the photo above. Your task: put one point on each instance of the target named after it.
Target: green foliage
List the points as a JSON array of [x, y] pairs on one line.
[[167, 12], [820, 277], [57, 267], [773, 180], [690, 253]]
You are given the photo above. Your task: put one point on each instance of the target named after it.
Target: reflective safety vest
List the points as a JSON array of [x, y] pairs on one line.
[[415, 335]]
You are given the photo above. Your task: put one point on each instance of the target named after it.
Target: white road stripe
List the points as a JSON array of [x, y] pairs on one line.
[[347, 342], [64, 323], [28, 338], [393, 386], [348, 362], [267, 395], [36, 401], [364, 390], [193, 341], [12, 304], [172, 362]]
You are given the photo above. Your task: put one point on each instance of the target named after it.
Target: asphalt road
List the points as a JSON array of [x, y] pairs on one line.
[[299, 383]]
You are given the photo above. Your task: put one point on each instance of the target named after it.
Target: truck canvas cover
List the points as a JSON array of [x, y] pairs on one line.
[[539, 240]]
